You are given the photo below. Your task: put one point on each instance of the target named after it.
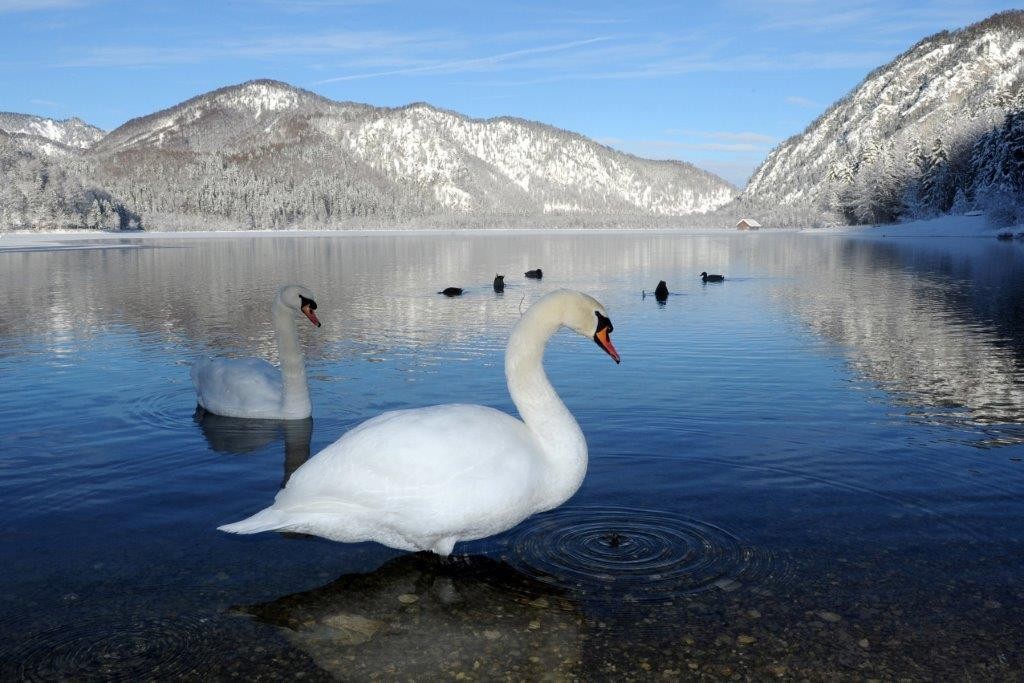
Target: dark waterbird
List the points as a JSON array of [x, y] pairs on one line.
[[499, 283], [534, 274], [712, 278], [661, 291], [451, 291]]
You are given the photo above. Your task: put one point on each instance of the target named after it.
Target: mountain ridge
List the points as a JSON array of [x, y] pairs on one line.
[[70, 132], [268, 154], [939, 129], [404, 107], [902, 143]]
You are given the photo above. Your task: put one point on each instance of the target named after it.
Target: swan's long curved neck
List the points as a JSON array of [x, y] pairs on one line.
[[295, 400], [540, 407]]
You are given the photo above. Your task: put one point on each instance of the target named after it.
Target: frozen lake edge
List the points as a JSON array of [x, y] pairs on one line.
[[946, 226]]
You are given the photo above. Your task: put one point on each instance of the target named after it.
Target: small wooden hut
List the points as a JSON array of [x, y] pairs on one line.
[[748, 224]]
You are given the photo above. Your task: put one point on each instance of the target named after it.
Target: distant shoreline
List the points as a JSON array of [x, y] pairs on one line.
[[946, 226], [10, 240]]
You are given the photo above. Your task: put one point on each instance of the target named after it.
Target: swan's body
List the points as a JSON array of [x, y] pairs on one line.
[[426, 478], [661, 291], [252, 387]]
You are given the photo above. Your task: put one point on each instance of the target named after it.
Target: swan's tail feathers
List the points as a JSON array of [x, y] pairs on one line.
[[268, 519]]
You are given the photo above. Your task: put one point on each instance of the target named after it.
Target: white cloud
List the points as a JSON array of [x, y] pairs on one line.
[[34, 5], [737, 169], [619, 59], [668, 146], [316, 5], [473, 64], [828, 21], [355, 44], [733, 155], [802, 102], [736, 172], [740, 136], [866, 19]]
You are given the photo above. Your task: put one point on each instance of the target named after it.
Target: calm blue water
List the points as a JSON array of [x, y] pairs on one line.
[[811, 469]]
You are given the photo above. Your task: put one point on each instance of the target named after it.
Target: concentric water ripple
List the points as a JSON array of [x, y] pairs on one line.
[[166, 407], [123, 648], [635, 555]]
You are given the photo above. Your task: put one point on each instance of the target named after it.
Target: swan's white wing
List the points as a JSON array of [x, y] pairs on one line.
[[461, 469], [238, 387]]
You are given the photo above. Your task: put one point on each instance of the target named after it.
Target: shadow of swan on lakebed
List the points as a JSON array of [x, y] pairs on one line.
[[420, 617]]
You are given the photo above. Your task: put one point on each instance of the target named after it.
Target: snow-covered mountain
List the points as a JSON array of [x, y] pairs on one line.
[[266, 154], [71, 132], [42, 189], [933, 131]]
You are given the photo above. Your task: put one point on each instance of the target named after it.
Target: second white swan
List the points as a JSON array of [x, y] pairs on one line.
[[252, 387], [426, 478]]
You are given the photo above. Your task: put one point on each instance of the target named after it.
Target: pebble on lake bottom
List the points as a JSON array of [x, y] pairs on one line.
[[353, 629]]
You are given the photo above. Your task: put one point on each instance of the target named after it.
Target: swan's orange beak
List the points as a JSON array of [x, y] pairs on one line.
[[307, 310], [605, 342]]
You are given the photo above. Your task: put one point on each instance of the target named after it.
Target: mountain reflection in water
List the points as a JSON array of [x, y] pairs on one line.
[[783, 467], [923, 323], [936, 322]]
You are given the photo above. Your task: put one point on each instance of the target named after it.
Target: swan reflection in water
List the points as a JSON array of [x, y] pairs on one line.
[[421, 617], [238, 436]]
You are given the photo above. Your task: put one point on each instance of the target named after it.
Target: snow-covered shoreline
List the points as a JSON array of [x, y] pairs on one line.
[[25, 239], [946, 226]]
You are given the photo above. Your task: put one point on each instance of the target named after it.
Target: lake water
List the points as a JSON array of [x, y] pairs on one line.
[[810, 470]]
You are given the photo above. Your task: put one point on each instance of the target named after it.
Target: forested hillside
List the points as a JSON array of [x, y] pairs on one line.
[[937, 130], [36, 191]]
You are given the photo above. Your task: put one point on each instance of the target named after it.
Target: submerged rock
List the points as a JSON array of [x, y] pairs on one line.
[[353, 629]]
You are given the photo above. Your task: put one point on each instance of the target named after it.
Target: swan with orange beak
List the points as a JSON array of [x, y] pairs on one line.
[[427, 478]]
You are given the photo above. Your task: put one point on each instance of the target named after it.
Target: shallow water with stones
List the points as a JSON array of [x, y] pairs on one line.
[[811, 469]]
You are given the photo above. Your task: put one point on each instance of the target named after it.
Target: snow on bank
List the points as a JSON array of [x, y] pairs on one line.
[[81, 239], [944, 226]]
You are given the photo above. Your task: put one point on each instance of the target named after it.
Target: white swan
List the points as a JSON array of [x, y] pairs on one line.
[[426, 478], [252, 387]]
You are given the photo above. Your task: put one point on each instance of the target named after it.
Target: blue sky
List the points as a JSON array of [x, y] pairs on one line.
[[714, 83]]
